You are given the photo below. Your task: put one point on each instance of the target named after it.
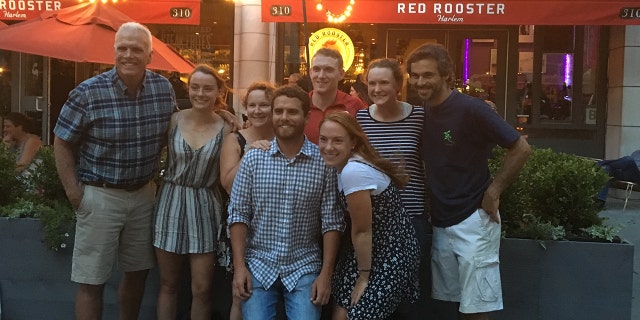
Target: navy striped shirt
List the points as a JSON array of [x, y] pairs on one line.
[[287, 205], [401, 142], [118, 138]]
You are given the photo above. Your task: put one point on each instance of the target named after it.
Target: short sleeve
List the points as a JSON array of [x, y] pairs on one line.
[[357, 176]]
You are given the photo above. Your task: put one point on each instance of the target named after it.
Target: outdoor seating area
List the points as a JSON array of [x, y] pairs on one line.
[[628, 187], [623, 185]]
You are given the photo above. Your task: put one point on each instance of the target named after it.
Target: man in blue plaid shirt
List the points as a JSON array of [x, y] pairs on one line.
[[283, 204], [108, 140]]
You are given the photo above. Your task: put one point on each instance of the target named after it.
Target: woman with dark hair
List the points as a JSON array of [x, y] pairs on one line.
[[189, 205], [359, 90], [19, 138], [378, 262]]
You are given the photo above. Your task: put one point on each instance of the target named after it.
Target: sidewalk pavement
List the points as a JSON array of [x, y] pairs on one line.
[[628, 223]]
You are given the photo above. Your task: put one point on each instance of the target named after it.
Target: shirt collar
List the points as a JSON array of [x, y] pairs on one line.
[[306, 150], [118, 83]]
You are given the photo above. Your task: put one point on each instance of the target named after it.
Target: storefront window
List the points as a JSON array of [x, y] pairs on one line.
[[33, 73], [557, 84], [478, 67], [363, 37], [295, 55], [557, 81], [211, 42]]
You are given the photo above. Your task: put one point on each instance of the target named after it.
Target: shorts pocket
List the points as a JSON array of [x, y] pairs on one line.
[[488, 277], [83, 206]]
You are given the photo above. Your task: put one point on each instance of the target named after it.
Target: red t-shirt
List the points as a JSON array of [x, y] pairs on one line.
[[351, 105]]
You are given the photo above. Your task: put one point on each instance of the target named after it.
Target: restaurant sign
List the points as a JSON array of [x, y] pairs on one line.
[[143, 11], [336, 39], [500, 12]]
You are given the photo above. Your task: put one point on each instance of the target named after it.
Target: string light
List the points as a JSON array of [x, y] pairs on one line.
[[337, 18]]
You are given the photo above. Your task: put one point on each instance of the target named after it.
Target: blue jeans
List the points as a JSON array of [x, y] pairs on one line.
[[262, 303], [624, 168]]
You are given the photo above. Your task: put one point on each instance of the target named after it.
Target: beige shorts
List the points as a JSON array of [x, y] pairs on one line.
[[113, 223], [465, 264]]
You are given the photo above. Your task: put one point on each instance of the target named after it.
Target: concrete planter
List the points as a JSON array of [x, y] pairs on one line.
[[567, 280], [35, 281]]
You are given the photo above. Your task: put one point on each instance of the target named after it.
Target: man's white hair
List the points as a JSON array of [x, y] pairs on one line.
[[137, 27]]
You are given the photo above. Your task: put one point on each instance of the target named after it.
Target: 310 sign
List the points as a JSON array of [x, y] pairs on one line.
[[630, 13], [280, 10], [180, 13]]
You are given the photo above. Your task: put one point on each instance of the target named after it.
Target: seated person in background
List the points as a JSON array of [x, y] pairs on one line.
[[19, 138], [625, 169]]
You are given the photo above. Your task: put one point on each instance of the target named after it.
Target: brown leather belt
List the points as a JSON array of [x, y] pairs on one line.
[[125, 187]]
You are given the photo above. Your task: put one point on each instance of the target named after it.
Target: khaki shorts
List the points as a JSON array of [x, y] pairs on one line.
[[113, 223], [465, 264]]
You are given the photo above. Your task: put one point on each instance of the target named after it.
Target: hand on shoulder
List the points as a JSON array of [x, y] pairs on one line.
[[260, 144]]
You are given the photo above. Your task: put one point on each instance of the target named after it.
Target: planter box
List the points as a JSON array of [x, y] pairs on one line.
[[567, 280], [35, 281]]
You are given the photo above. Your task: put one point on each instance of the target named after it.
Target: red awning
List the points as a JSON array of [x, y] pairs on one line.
[[84, 33], [499, 12], [143, 11]]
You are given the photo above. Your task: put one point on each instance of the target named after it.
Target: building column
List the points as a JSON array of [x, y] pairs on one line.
[[623, 107], [254, 44]]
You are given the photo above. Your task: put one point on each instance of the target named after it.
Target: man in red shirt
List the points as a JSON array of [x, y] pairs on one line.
[[326, 73]]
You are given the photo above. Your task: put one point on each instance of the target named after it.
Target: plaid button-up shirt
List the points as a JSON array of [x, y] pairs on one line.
[[118, 137], [287, 205]]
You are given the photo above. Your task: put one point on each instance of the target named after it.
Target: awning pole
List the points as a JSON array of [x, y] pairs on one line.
[[306, 35]]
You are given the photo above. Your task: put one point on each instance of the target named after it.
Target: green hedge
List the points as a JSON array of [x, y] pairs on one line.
[[553, 197], [37, 195]]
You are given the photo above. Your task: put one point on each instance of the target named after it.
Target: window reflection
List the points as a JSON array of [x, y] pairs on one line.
[[557, 84], [479, 68], [33, 71]]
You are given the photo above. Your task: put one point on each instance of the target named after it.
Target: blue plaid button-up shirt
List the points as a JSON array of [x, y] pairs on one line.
[[119, 138], [287, 205]]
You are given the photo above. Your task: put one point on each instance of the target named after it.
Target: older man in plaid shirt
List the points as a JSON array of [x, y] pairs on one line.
[[283, 202], [108, 140]]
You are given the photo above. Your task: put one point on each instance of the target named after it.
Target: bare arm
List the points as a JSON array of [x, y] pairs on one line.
[[230, 119], [514, 160], [359, 204], [28, 153], [241, 275], [8, 141], [65, 165], [229, 161], [321, 288]]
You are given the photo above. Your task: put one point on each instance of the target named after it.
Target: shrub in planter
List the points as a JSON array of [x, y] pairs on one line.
[[11, 186], [44, 178], [553, 197], [45, 198]]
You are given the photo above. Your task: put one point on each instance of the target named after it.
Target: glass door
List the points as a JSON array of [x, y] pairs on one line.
[[400, 44], [479, 57], [33, 99]]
